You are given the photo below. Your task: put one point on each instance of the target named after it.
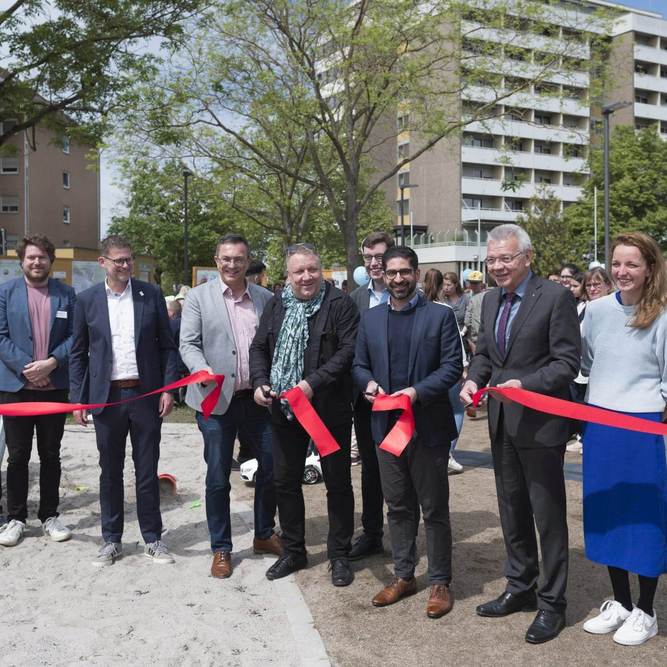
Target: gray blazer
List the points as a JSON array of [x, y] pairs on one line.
[[361, 297], [207, 338]]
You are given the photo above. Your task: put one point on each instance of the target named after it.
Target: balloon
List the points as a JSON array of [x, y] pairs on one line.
[[464, 275], [360, 276]]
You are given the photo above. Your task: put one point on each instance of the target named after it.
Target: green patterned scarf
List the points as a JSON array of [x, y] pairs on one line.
[[288, 357]]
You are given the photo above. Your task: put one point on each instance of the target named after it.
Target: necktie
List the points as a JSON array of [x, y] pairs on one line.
[[502, 323]]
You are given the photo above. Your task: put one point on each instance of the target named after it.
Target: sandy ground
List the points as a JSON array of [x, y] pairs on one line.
[[59, 610]]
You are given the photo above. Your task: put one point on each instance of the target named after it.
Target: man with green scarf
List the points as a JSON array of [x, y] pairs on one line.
[[306, 338]]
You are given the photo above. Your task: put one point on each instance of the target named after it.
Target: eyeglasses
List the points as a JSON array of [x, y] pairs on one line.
[[369, 258], [404, 273], [505, 260], [298, 247], [120, 261], [594, 285], [231, 261]]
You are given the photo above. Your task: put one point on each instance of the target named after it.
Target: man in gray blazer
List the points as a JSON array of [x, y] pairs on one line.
[[217, 326], [528, 338]]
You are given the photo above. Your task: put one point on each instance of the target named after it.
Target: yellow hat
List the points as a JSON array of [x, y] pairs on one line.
[[475, 277]]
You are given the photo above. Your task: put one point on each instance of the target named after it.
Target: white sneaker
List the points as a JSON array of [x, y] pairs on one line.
[[575, 444], [109, 553], [158, 553], [12, 533], [56, 530], [611, 617], [454, 466], [638, 628]]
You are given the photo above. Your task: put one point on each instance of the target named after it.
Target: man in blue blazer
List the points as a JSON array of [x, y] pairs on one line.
[[122, 348], [35, 340], [412, 347]]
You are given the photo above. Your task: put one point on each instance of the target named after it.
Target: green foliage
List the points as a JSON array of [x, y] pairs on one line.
[[637, 193], [75, 57]]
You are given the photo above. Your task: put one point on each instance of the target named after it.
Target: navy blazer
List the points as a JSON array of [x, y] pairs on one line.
[[436, 364], [91, 358], [16, 332]]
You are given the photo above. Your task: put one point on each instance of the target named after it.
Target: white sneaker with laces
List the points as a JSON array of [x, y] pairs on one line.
[[611, 617], [158, 553], [12, 533], [109, 553], [56, 529], [638, 628], [453, 465]]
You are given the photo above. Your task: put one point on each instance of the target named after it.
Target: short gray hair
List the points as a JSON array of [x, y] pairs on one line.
[[301, 249], [508, 231]]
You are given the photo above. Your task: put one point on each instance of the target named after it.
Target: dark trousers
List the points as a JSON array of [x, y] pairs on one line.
[[140, 419], [418, 477], [18, 437], [372, 518], [245, 417], [531, 492], [290, 444]]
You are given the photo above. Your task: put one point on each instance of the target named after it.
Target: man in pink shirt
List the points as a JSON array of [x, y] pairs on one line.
[[35, 341]]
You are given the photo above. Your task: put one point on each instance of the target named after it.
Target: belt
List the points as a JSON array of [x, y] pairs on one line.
[[243, 393], [125, 384]]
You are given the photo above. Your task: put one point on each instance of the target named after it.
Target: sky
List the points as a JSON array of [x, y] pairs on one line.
[[112, 196]]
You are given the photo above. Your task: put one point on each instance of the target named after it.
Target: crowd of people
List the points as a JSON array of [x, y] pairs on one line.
[[433, 340]]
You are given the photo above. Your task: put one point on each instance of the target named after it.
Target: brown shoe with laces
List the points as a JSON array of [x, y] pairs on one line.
[[271, 545], [221, 567], [397, 589], [440, 601]]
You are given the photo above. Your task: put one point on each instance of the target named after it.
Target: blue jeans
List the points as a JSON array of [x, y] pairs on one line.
[[220, 431], [457, 409]]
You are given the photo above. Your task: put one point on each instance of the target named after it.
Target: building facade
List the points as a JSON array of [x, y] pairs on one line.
[[49, 185]]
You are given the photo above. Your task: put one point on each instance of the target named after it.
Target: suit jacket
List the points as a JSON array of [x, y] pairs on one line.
[[361, 297], [16, 333], [543, 351], [435, 365], [92, 357], [327, 358], [207, 338]]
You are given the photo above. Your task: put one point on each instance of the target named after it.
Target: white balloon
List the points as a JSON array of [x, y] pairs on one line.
[[360, 276]]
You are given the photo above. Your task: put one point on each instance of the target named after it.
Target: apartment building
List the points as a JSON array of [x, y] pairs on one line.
[[536, 138], [49, 185]]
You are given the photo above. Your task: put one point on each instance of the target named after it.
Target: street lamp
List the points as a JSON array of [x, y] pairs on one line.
[[403, 187], [186, 259], [607, 111]]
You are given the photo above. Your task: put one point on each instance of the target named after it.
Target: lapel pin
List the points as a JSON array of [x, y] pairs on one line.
[[141, 293]]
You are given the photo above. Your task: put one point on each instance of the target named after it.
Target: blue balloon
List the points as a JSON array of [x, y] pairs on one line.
[[360, 276]]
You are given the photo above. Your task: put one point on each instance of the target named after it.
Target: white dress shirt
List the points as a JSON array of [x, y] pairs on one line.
[[121, 322]]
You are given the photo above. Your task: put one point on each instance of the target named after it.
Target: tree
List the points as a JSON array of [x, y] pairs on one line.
[[548, 232], [65, 62], [344, 80], [637, 193]]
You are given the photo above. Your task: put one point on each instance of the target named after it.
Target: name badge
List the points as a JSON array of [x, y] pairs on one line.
[[62, 314]]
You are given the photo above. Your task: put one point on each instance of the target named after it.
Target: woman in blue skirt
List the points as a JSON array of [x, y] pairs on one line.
[[625, 474]]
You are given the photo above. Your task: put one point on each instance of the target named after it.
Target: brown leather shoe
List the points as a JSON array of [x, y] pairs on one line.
[[397, 589], [221, 567], [440, 601], [271, 545]]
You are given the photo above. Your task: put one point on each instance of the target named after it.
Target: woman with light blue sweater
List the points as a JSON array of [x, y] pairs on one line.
[[625, 474]]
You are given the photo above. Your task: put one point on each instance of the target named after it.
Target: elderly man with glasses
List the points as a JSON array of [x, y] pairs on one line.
[[306, 338]]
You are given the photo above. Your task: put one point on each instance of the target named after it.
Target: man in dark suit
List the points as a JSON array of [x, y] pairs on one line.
[[368, 296], [122, 348], [413, 347], [35, 339], [529, 338]]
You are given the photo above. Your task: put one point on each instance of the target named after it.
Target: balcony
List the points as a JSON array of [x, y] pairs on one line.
[[648, 82], [528, 130], [650, 54], [653, 111]]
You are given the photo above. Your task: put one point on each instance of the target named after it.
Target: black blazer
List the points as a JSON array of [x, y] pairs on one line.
[[543, 351], [91, 355], [328, 355], [436, 364]]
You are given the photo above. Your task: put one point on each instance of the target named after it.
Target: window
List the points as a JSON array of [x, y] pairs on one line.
[[641, 68], [573, 150], [516, 144], [9, 204], [402, 122], [663, 127], [403, 151], [472, 202], [7, 125], [478, 171], [543, 148], [66, 215], [65, 144], [406, 207], [641, 97], [403, 178], [542, 118], [515, 204], [66, 180], [478, 140], [9, 165]]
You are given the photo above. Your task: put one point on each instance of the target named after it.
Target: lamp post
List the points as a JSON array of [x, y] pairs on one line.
[[186, 258], [403, 187], [607, 111]]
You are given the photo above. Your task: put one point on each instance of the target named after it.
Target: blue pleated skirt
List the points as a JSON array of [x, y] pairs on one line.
[[625, 498]]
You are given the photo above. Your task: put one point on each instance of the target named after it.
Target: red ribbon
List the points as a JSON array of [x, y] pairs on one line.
[[32, 409], [311, 422], [582, 412], [400, 435]]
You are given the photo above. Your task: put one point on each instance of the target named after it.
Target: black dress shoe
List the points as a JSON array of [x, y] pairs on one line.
[[365, 545], [341, 574], [285, 565], [547, 625], [508, 603]]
